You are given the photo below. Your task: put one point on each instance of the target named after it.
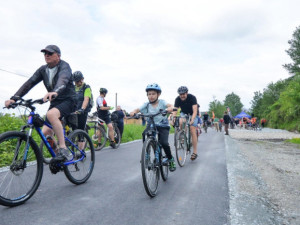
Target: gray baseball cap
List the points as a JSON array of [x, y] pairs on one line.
[[52, 49]]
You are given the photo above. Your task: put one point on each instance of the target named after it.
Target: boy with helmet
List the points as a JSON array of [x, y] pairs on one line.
[[188, 104], [154, 106], [103, 114]]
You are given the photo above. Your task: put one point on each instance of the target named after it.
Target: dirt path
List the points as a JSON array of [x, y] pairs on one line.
[[264, 177]]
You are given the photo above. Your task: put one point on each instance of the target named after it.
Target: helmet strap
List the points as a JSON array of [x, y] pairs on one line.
[[153, 102]]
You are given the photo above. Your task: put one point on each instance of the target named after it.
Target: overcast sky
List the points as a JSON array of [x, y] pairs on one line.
[[212, 47]]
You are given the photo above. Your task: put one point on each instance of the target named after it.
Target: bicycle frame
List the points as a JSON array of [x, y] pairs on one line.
[[186, 126], [50, 150]]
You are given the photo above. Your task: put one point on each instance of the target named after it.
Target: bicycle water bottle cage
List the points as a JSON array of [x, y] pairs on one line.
[[37, 120]]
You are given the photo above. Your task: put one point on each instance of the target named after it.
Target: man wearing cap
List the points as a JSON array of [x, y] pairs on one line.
[[57, 78]]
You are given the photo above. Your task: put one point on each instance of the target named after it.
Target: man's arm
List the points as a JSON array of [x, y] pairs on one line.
[[64, 76], [30, 83], [195, 109]]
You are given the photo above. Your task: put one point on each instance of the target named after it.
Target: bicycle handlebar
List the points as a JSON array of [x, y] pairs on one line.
[[27, 103]]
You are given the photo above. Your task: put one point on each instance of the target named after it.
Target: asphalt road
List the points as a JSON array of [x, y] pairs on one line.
[[194, 194]]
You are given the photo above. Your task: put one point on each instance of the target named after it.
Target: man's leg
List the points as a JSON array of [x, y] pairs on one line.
[[111, 131], [53, 116], [194, 138]]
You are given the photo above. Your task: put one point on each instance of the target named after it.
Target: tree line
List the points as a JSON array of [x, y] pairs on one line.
[[279, 102]]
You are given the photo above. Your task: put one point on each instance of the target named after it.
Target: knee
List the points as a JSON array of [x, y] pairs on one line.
[[53, 114], [110, 127]]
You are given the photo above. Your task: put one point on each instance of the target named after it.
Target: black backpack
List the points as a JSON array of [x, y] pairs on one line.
[[91, 101]]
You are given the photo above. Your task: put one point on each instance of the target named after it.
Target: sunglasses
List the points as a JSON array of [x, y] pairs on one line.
[[48, 53]]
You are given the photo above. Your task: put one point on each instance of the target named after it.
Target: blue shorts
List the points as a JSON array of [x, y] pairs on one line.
[[195, 124]]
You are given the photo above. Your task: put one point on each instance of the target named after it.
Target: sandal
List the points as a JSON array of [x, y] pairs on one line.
[[194, 156]]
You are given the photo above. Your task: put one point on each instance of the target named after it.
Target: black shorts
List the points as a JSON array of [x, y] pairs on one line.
[[106, 119], [65, 107]]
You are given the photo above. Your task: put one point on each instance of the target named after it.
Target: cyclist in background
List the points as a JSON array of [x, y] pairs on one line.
[[162, 124], [188, 104], [103, 113], [205, 119], [57, 78], [83, 101]]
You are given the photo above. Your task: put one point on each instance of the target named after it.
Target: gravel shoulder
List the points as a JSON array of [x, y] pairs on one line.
[[264, 177]]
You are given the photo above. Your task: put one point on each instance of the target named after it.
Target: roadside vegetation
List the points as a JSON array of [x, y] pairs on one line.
[[279, 102]]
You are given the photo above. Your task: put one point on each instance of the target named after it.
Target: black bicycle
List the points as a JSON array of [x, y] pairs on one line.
[[153, 160], [21, 163], [100, 132], [182, 139]]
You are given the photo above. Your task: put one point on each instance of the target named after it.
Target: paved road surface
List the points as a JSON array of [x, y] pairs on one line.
[[194, 194]]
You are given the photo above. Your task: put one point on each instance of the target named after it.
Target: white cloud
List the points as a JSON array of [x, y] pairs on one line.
[[214, 47]]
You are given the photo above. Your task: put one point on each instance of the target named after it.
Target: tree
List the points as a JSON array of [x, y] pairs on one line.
[[233, 101], [256, 106], [294, 53], [217, 107]]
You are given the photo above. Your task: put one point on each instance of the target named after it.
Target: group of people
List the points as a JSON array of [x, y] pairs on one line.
[[218, 122], [187, 104], [65, 97]]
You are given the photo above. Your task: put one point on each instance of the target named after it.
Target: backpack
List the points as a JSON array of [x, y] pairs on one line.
[[91, 101], [114, 116]]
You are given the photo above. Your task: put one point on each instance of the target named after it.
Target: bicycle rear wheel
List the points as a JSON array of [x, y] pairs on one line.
[[117, 136], [181, 148], [150, 172], [19, 179], [83, 160], [164, 170], [96, 131]]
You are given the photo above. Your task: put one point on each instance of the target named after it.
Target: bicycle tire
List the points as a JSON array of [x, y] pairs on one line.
[[181, 148], [164, 169], [117, 137], [98, 130], [150, 172], [79, 172], [19, 182], [188, 140]]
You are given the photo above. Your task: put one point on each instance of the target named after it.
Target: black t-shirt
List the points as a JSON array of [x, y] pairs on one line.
[[205, 117], [186, 105]]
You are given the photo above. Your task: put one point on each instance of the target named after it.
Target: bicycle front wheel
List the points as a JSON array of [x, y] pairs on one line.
[[21, 168], [82, 165], [150, 170], [181, 148]]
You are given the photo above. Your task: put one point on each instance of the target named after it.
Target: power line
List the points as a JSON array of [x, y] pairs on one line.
[[21, 75]]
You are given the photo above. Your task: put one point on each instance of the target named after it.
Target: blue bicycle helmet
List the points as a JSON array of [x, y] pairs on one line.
[[153, 87]]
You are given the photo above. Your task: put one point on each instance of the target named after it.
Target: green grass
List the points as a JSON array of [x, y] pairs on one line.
[[294, 140], [10, 122]]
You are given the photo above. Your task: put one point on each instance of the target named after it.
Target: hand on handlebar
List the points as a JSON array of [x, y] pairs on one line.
[[80, 111], [8, 103], [50, 96]]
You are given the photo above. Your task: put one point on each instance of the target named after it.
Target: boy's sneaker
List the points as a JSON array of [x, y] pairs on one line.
[[172, 165]]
